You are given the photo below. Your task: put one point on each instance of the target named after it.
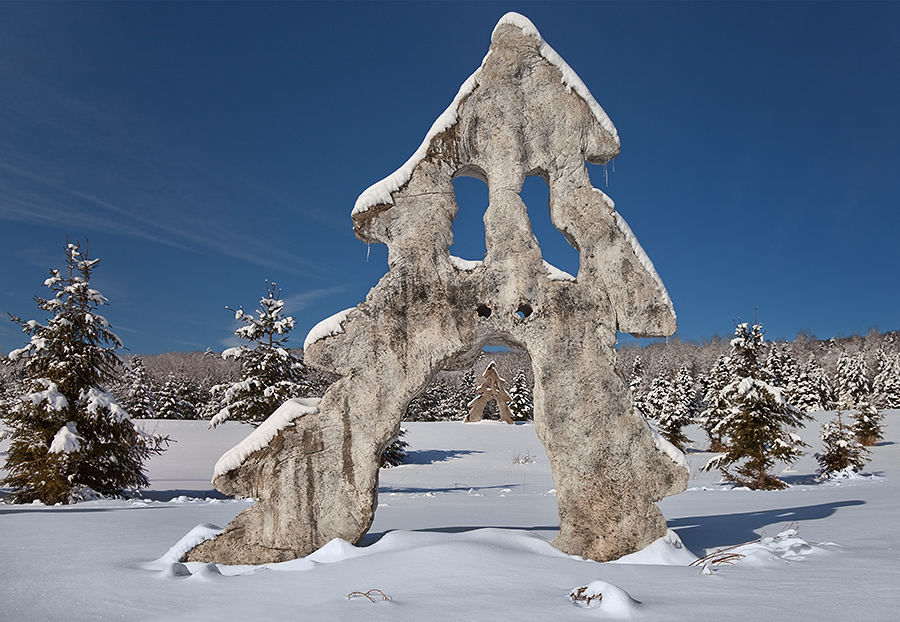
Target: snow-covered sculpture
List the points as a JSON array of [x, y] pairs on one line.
[[313, 467], [491, 389]]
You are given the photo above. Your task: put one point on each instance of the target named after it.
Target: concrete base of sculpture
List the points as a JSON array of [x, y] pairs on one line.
[[522, 113]]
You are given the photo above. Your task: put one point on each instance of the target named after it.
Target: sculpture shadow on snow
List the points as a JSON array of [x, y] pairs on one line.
[[700, 533]]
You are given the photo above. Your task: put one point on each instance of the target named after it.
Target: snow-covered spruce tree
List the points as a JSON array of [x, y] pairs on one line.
[[810, 392], [437, 402], [174, 399], [680, 411], [395, 453], [886, 384], [867, 427], [784, 370], [521, 404], [68, 437], [758, 419], [139, 394], [841, 452], [270, 373], [659, 397], [716, 406], [636, 384], [852, 384]]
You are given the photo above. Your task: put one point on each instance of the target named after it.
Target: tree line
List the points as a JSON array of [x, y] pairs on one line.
[[67, 397]]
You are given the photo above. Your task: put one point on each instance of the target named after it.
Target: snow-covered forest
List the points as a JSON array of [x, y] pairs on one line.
[[178, 385]]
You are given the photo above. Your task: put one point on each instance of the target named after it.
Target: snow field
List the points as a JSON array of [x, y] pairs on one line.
[[461, 533]]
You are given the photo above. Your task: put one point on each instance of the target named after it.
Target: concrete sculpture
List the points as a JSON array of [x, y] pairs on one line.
[[491, 389], [313, 466]]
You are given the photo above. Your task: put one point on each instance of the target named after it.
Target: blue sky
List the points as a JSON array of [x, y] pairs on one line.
[[203, 148]]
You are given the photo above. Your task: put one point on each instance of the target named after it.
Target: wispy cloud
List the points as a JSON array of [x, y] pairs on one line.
[[66, 164]]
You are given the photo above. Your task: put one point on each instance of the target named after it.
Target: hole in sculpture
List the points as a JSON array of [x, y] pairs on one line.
[[524, 310], [520, 464], [468, 225], [483, 311], [555, 248]]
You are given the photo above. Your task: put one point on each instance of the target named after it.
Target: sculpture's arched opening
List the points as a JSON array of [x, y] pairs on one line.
[[466, 467], [554, 246], [468, 226]]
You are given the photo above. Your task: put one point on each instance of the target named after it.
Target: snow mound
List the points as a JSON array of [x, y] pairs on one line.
[[328, 327], [168, 563], [263, 435], [606, 598], [666, 551], [786, 546], [380, 193]]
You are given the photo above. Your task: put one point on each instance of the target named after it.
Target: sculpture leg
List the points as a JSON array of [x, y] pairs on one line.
[[607, 469]]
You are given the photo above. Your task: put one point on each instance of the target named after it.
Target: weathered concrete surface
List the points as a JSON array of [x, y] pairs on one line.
[[491, 389], [318, 479]]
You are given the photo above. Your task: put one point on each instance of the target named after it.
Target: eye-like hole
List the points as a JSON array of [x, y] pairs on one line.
[[524, 310], [483, 310]]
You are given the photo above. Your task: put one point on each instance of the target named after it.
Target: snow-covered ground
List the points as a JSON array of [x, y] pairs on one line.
[[462, 533]]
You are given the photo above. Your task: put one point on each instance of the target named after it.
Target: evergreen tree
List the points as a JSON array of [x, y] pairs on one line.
[[395, 453], [636, 384], [716, 406], [868, 427], [852, 381], [521, 404], [174, 399], [680, 410], [69, 438], [437, 402], [758, 417], [840, 451], [139, 398], [886, 384], [784, 371], [659, 397], [810, 391], [270, 373]]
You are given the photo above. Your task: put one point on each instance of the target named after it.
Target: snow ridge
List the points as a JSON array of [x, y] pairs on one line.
[[569, 77], [263, 435], [380, 192], [555, 274], [641, 255], [328, 327]]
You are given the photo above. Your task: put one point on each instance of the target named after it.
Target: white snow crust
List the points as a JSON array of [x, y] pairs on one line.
[[66, 440], [380, 192], [464, 532], [263, 435], [639, 251], [668, 448], [464, 265], [328, 327], [56, 400], [555, 274]]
